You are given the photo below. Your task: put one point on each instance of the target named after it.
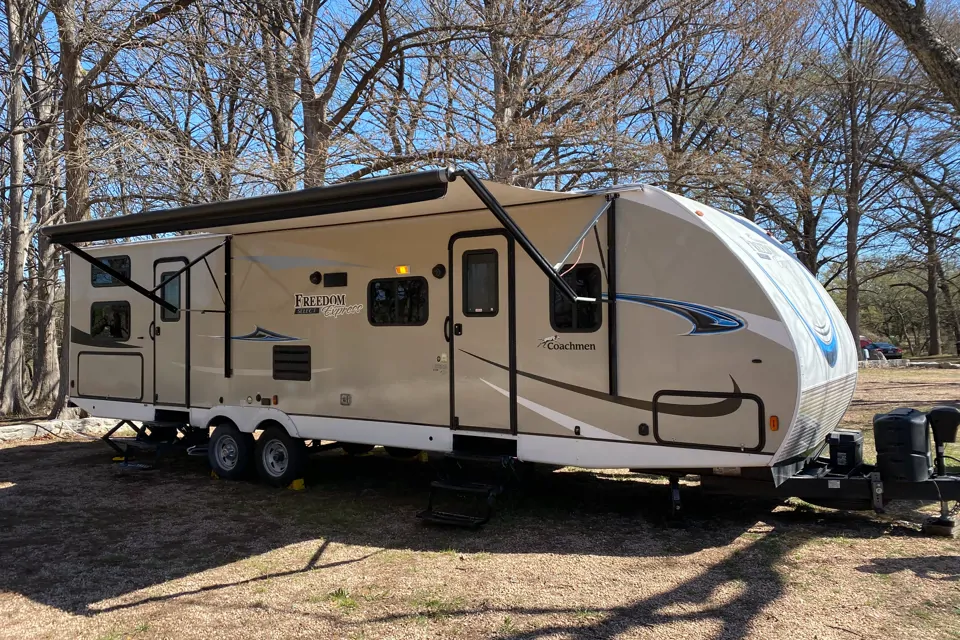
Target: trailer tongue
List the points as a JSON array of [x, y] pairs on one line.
[[906, 468]]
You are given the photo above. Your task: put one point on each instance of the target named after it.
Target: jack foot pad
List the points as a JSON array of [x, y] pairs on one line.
[[945, 527]]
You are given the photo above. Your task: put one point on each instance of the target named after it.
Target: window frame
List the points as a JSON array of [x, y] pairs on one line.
[[113, 281], [554, 293], [426, 290], [98, 338], [164, 317], [464, 285]]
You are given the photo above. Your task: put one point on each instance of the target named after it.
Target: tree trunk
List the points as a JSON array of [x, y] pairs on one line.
[[933, 311], [281, 98], [951, 307], [11, 384], [74, 153], [46, 371], [854, 189], [939, 59]]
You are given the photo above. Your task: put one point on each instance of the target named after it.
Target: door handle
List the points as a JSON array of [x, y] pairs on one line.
[[157, 330], [446, 329], [458, 329], [150, 330]]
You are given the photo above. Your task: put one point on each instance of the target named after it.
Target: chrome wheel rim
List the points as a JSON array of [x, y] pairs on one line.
[[227, 453], [275, 458]]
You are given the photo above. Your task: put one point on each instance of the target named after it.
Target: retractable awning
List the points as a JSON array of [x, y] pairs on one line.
[[317, 202], [349, 196]]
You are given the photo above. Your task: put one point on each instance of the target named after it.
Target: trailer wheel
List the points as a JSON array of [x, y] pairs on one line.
[[230, 452], [356, 449], [400, 452], [279, 458]]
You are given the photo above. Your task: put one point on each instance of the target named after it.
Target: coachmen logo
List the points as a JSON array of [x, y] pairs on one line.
[[552, 343], [328, 306]]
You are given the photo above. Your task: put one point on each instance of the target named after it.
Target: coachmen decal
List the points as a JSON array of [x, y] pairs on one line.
[[328, 306], [552, 343]]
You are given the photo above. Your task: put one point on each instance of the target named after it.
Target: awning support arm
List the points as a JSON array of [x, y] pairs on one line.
[[490, 202], [119, 276], [583, 234]]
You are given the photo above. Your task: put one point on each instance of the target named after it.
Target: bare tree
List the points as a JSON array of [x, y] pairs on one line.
[[935, 53]]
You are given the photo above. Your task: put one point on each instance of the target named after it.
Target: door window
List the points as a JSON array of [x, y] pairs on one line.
[[481, 283], [170, 292]]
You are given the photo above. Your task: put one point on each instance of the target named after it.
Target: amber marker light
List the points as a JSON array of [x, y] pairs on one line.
[[774, 423], [402, 269], [276, 399]]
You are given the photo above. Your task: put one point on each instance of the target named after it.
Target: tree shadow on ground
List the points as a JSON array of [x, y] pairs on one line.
[[946, 568], [76, 531]]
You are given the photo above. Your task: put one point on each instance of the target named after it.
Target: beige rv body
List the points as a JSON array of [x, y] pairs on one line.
[[724, 352]]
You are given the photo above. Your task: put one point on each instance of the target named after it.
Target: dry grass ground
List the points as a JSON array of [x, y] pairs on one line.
[[88, 551]]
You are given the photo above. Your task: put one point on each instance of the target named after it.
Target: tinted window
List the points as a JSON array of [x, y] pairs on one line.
[[170, 292], [110, 320], [481, 283], [583, 316], [100, 278], [397, 301]]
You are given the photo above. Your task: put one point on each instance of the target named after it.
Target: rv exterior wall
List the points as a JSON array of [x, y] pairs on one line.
[[700, 337]]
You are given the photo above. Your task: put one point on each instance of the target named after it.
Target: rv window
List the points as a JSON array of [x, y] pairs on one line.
[[110, 321], [397, 302], [170, 293], [481, 283], [100, 278], [583, 317]]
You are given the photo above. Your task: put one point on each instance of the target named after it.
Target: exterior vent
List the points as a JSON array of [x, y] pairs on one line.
[[291, 363]]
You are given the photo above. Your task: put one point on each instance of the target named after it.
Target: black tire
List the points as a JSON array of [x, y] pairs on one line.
[[355, 448], [400, 452], [230, 452], [280, 459]]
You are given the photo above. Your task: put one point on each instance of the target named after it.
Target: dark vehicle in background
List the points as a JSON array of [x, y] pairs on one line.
[[889, 351]]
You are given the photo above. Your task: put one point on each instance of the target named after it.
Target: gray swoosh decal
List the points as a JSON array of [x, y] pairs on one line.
[[82, 337], [713, 410]]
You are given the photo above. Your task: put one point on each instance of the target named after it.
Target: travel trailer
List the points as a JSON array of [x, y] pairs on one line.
[[628, 327]]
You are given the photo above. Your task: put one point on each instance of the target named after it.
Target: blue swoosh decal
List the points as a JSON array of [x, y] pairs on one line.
[[705, 320], [265, 335], [828, 349]]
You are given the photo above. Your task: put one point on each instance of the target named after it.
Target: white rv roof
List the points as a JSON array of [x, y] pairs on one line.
[[459, 198]]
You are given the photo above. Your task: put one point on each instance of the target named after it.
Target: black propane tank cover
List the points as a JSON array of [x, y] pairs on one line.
[[903, 445], [944, 421]]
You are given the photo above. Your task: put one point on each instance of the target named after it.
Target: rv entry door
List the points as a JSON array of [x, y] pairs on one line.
[[169, 334], [479, 330]]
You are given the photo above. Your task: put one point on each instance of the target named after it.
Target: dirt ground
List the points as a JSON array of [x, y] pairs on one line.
[[90, 551]]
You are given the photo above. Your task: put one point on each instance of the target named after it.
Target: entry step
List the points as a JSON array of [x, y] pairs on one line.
[[463, 456], [465, 487], [448, 519]]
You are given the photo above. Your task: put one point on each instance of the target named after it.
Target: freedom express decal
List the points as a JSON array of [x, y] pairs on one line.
[[326, 305]]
